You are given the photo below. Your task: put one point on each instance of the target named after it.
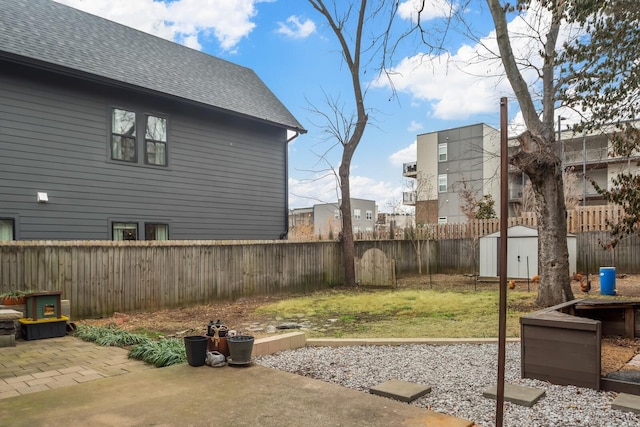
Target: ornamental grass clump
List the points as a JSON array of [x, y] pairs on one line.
[[159, 353], [110, 336], [164, 352]]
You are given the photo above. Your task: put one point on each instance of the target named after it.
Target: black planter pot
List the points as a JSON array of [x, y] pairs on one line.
[[196, 349], [240, 348]]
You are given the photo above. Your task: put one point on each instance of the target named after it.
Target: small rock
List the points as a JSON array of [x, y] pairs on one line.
[[270, 329], [288, 326]]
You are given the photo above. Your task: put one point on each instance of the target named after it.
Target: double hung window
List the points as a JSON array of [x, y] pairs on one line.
[[156, 141], [442, 152], [156, 231], [125, 231], [124, 137], [7, 229], [129, 231], [442, 183]]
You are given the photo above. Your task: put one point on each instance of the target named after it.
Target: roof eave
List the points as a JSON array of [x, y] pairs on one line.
[[71, 72]]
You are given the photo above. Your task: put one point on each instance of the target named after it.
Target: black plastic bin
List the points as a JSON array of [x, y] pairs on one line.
[[196, 349]]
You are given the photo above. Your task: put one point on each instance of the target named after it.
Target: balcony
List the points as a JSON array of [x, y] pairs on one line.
[[409, 198], [515, 194], [575, 158], [410, 170]]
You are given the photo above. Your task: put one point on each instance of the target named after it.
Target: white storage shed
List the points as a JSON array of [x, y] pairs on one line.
[[522, 251]]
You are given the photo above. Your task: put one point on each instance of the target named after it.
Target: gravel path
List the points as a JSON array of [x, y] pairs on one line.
[[458, 374]]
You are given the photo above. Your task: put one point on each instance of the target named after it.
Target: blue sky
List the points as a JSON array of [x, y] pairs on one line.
[[291, 48]]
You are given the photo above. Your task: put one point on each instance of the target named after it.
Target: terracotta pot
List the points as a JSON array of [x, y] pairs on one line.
[[13, 301], [222, 346]]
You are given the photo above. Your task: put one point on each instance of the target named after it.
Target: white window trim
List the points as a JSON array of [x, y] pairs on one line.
[[442, 182], [440, 147]]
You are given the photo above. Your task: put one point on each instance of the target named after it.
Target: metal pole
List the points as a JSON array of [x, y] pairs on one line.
[[502, 318], [584, 190]]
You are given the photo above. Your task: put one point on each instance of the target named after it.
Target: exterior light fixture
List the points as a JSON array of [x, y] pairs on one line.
[[42, 197]]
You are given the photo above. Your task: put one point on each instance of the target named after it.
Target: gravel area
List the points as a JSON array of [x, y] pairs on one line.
[[458, 374]]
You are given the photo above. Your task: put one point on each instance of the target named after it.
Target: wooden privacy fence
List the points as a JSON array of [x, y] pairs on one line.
[[103, 277], [580, 219]]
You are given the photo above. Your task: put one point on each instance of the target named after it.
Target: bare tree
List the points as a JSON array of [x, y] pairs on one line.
[[537, 155], [347, 22]]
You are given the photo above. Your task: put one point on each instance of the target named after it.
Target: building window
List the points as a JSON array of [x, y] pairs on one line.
[[156, 141], [442, 183], [124, 144], [7, 229], [442, 220], [125, 231], [368, 214], [336, 214], [156, 231], [123, 135], [356, 214], [442, 152]]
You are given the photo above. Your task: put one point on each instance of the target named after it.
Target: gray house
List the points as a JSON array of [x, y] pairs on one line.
[[110, 133]]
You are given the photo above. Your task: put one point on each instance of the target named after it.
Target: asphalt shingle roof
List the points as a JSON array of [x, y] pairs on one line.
[[50, 34]]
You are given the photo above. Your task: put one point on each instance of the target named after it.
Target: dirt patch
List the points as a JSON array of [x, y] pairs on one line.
[[617, 352]]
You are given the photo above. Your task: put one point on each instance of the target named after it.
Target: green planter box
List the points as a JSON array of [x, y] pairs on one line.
[[43, 305]]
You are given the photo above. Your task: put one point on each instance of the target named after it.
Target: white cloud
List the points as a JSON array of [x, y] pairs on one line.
[[569, 118], [183, 21], [415, 126], [406, 155], [432, 9], [323, 189], [470, 80], [295, 28]]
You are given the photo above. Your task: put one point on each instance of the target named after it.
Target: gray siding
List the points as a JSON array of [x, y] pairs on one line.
[[226, 177], [464, 160]]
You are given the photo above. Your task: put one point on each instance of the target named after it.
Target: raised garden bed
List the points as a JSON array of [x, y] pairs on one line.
[[563, 344]]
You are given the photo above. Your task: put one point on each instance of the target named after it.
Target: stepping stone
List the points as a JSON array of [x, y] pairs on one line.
[[517, 394], [400, 390], [626, 402], [635, 361]]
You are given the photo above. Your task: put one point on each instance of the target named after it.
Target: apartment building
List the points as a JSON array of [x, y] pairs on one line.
[[326, 218], [471, 154], [447, 162]]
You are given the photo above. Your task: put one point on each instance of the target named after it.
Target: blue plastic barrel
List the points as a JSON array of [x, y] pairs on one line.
[[607, 280]]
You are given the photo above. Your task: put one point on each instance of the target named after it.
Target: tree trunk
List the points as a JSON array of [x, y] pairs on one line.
[[545, 173], [348, 247], [538, 154], [553, 253]]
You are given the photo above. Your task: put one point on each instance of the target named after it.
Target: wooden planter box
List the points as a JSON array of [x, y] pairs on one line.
[[562, 344]]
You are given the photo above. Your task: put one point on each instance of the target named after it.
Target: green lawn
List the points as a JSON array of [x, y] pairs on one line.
[[406, 313]]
